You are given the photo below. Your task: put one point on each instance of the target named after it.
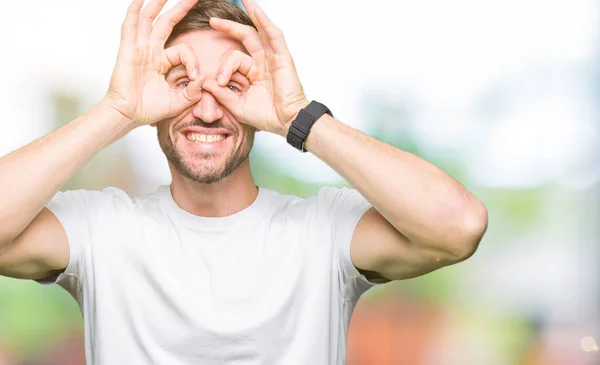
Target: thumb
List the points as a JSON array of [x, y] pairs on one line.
[[193, 91], [225, 96]]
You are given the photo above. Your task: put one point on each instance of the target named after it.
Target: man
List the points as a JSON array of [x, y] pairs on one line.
[[213, 269]]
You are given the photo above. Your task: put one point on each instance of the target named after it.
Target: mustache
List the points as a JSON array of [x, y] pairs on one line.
[[200, 123]]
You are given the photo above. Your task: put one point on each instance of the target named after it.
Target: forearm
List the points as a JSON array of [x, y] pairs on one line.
[[32, 174], [417, 198]]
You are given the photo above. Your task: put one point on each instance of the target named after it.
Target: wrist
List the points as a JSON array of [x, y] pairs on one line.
[[299, 129], [297, 107], [107, 108]]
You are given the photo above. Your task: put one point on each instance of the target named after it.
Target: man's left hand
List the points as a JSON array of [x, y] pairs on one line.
[[275, 95]]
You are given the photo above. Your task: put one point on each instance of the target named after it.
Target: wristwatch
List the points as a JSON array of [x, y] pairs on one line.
[[301, 126]]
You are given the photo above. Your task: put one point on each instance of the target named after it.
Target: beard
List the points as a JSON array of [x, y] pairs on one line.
[[205, 168]]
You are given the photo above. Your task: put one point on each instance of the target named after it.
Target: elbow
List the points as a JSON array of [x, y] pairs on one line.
[[473, 226], [7, 235], [4, 240]]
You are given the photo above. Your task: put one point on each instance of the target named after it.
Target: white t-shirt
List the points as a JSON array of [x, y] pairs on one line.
[[272, 284]]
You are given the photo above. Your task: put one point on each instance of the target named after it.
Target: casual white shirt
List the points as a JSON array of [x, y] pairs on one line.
[[271, 284]]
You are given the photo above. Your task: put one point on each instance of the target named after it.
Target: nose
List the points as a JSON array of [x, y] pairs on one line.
[[208, 109]]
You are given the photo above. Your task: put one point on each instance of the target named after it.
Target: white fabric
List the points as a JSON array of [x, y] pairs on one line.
[[272, 284]]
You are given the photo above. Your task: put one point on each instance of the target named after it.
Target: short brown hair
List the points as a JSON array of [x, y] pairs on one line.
[[199, 16]]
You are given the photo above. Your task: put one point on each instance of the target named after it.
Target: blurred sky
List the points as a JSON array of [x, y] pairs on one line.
[[506, 82]]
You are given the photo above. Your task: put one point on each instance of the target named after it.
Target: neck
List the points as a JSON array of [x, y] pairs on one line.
[[234, 193]]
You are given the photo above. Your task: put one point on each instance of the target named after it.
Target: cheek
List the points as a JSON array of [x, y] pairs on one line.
[[164, 137], [165, 127], [249, 138], [247, 134], [169, 134]]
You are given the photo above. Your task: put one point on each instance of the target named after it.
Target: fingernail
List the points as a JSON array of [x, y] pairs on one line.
[[221, 80], [194, 73]]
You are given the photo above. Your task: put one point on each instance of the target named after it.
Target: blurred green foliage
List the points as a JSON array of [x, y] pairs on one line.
[[36, 314]]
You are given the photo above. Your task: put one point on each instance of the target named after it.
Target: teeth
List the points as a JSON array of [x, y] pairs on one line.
[[205, 138]]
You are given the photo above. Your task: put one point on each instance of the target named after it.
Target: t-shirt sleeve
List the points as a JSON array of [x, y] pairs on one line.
[[77, 211], [345, 209]]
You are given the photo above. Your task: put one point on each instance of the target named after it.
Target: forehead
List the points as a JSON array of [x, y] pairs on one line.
[[209, 46]]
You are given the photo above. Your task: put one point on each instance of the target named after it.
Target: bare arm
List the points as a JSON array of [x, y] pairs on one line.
[[34, 173], [33, 243], [422, 218]]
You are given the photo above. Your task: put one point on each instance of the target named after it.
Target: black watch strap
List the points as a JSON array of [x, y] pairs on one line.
[[301, 126]]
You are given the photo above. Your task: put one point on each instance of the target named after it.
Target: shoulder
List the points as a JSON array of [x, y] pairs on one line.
[[340, 198], [110, 198], [82, 198], [325, 201]]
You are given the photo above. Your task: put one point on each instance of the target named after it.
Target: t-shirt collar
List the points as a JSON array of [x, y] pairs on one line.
[[250, 213]]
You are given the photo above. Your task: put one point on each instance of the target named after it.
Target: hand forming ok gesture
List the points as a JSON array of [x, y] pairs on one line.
[[275, 95], [138, 88]]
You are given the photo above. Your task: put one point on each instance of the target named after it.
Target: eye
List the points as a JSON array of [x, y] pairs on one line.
[[183, 84], [233, 88]]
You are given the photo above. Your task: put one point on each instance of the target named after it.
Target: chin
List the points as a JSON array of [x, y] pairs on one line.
[[204, 164], [205, 172], [206, 180]]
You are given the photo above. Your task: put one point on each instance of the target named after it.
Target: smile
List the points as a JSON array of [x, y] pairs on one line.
[[205, 138]]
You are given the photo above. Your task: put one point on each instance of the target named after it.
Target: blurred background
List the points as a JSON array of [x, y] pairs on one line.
[[502, 94]]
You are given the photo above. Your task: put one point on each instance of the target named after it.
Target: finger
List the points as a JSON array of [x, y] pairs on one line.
[[148, 15], [227, 98], [182, 54], [250, 6], [235, 61], [185, 98], [166, 22], [274, 34], [130, 24], [243, 33], [193, 92]]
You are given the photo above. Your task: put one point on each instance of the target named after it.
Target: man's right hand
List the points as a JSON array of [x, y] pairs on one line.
[[33, 242], [138, 88]]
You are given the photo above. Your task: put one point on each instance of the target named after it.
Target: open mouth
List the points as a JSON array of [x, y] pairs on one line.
[[204, 138]]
